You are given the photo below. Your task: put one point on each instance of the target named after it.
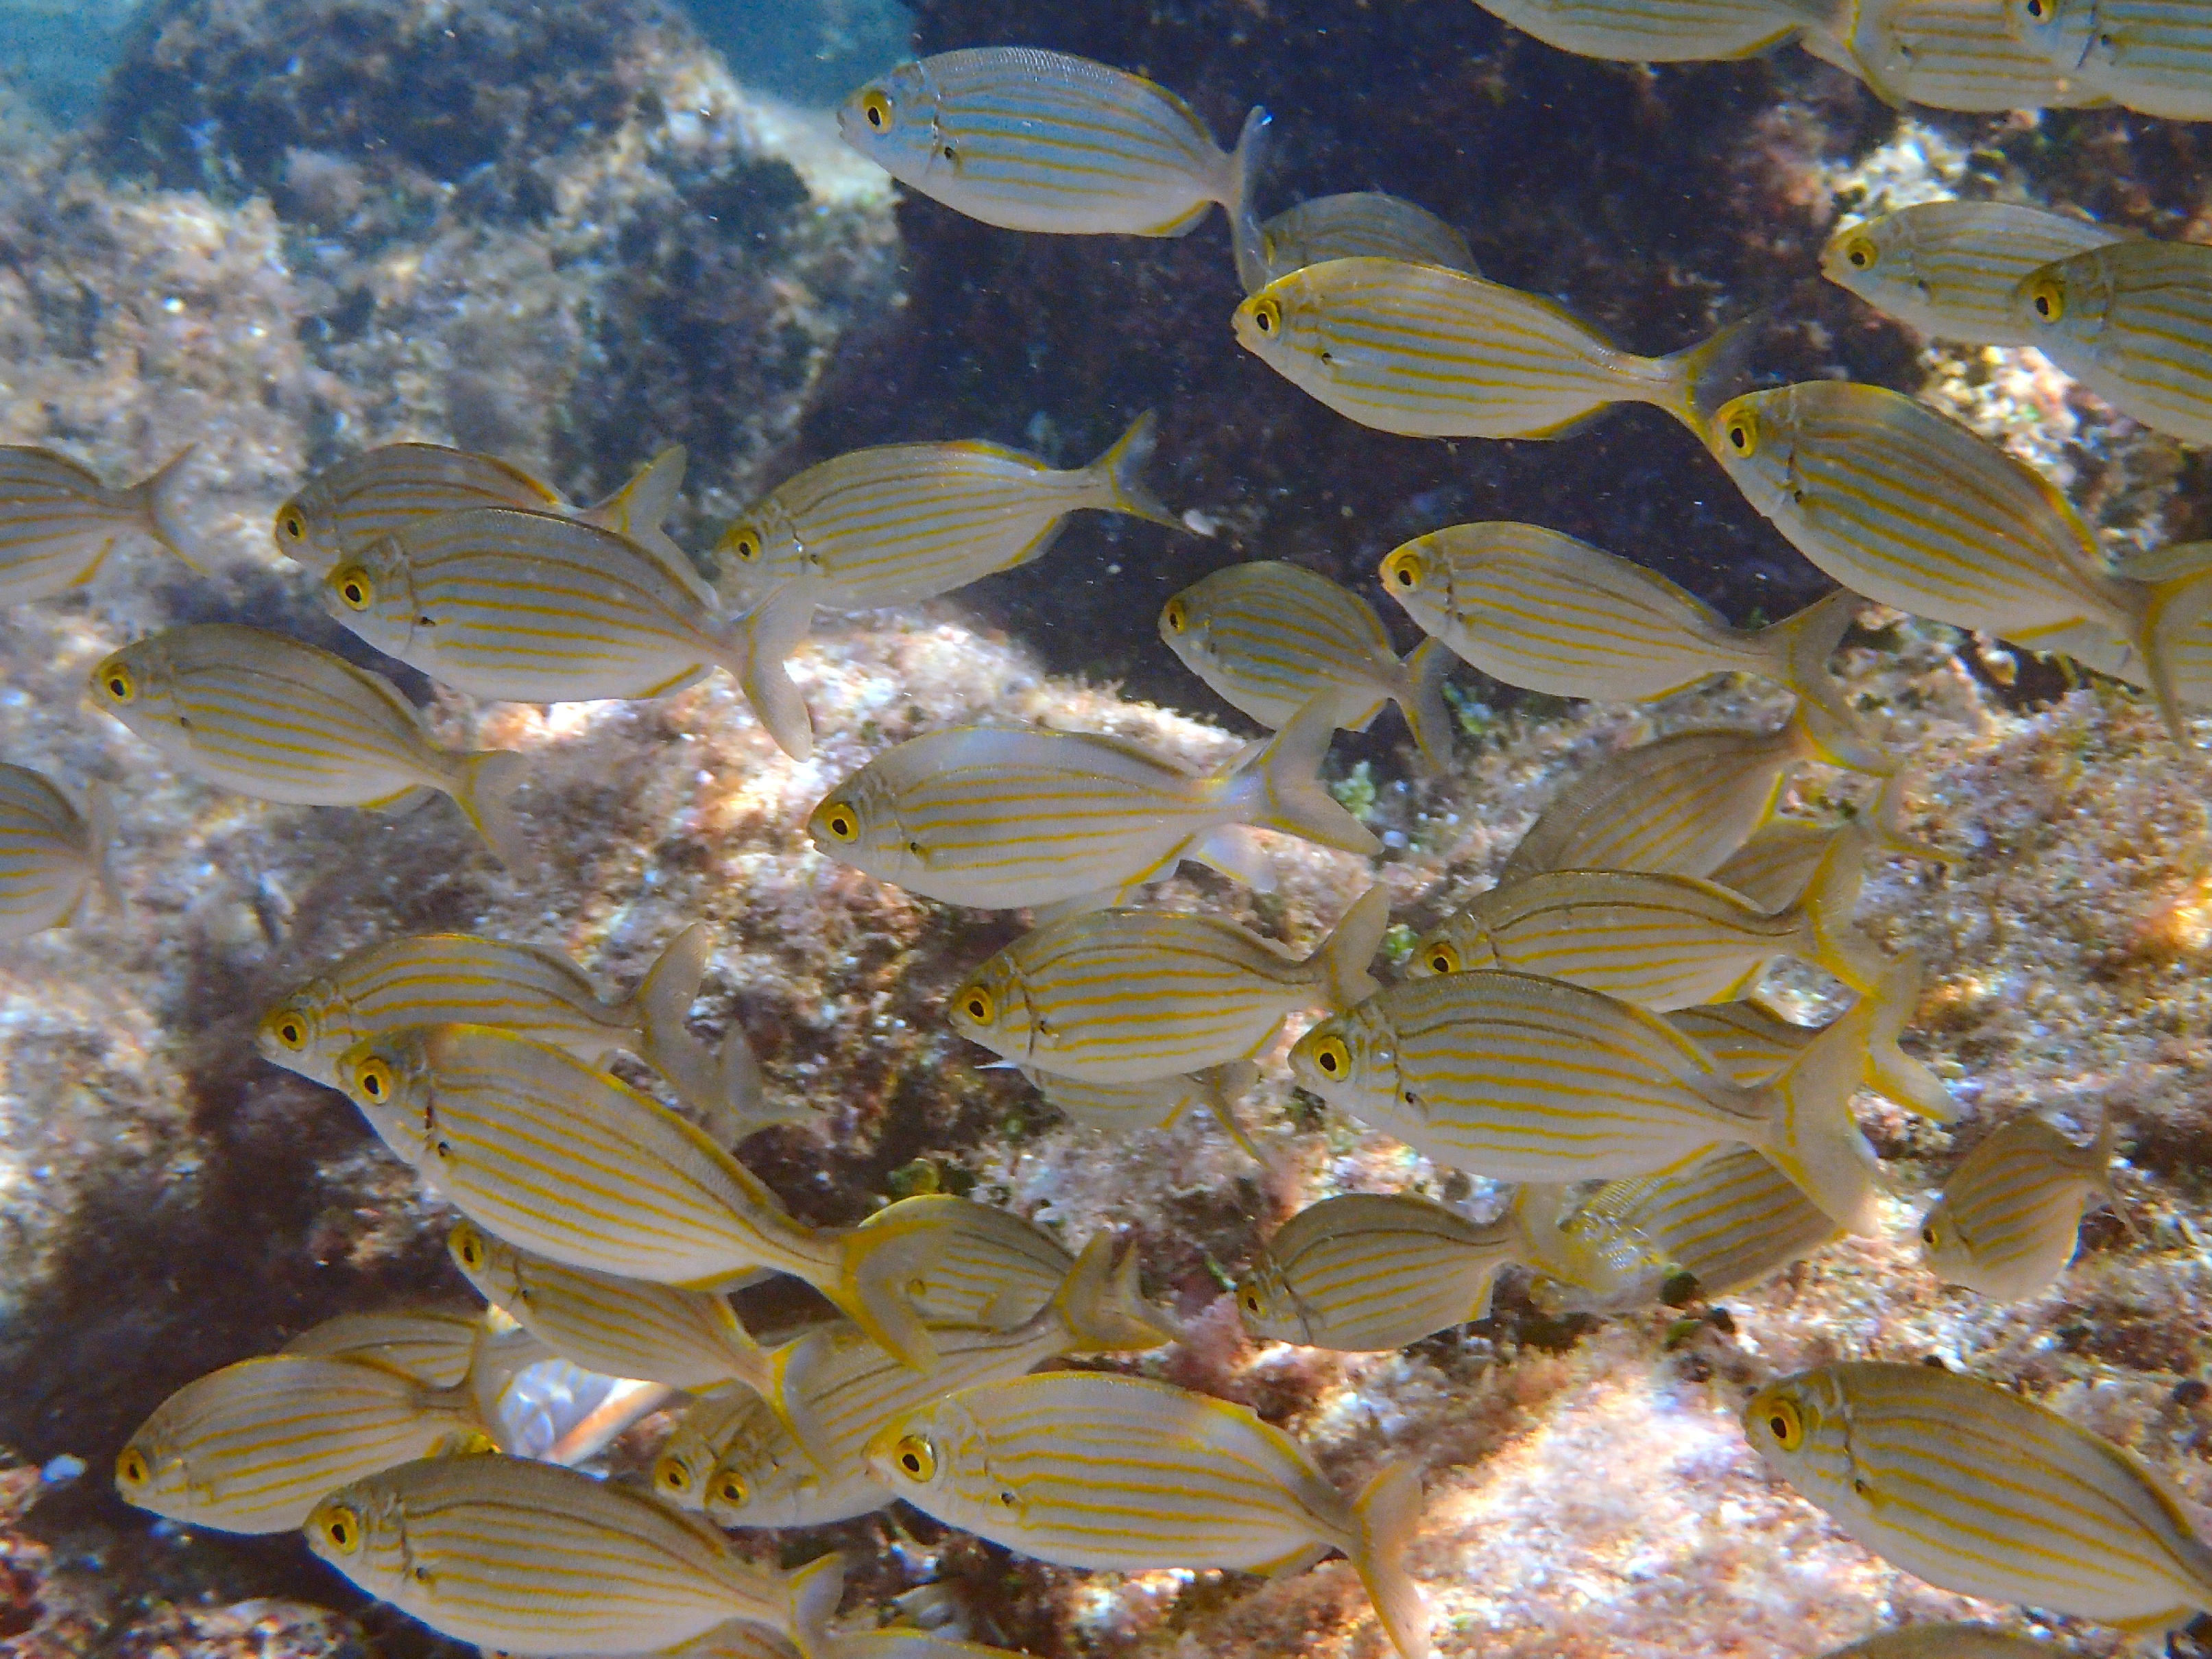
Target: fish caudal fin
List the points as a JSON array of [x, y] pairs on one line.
[[1349, 949], [485, 791], [1812, 1137], [871, 1294], [1832, 938], [1101, 1305], [1120, 474], [1890, 1071], [662, 1003], [814, 1591], [1279, 788], [1800, 646], [1422, 702], [1698, 381], [768, 634], [1240, 166], [1388, 1512], [159, 498]]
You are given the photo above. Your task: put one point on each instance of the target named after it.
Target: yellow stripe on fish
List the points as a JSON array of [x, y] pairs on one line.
[[253, 1447], [1125, 1474], [281, 720], [1950, 269], [1131, 996], [539, 1559], [1039, 141], [435, 1346], [1651, 31], [1429, 352], [2149, 55], [2011, 1212], [58, 522], [1361, 224], [1001, 817], [1974, 1489], [2132, 321], [1728, 1219], [1945, 54], [53, 852], [1270, 637]]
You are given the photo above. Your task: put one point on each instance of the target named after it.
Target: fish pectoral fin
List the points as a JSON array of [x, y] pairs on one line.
[[1296, 1562], [1237, 853], [1182, 224], [401, 800]]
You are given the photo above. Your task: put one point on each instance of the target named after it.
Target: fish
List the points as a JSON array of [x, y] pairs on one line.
[[2009, 1215], [531, 607], [1662, 942], [688, 1339], [1270, 637], [253, 1447], [1519, 1077], [1428, 352], [897, 524], [1003, 816], [435, 1345], [1132, 996], [1773, 867], [53, 853], [2131, 321], [1729, 1219], [535, 1558], [702, 1431], [838, 1388], [1948, 268], [460, 979], [1652, 31], [1974, 1489], [1358, 224], [1949, 1641], [2150, 56], [1124, 1473], [58, 522], [279, 720], [1747, 1040], [1945, 54], [345, 510], [936, 1259], [1548, 613], [1040, 141], [1116, 1108], [540, 1149]]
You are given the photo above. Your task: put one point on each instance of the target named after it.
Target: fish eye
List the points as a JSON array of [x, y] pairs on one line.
[[842, 823], [116, 680], [744, 541], [355, 588], [1861, 254], [1929, 1236], [1785, 1423], [341, 1530], [732, 1491], [671, 1476], [1331, 1058], [131, 1468], [2037, 10], [1174, 618], [1405, 570], [1742, 432], [977, 1003], [468, 1246], [915, 1456], [1252, 1303], [290, 525], [1267, 316], [374, 1079], [876, 110], [2047, 297], [288, 1030], [1443, 957]]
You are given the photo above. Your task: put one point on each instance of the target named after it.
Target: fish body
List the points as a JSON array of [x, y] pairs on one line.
[[1429, 352], [1948, 268], [2011, 1212], [1271, 637], [535, 1558], [1361, 224], [1651, 31], [1945, 54], [281, 720], [1040, 141], [53, 852], [253, 1447], [1948, 1641], [58, 522], [1131, 996], [2153, 55], [1974, 1489], [1729, 1219], [1002, 817], [1121, 1472], [435, 1345], [2132, 321]]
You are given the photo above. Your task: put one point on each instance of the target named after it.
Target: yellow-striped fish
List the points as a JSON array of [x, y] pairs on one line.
[[58, 522], [1950, 1641], [1131, 996], [281, 720], [344, 510], [1748, 1041], [1728, 1219], [1124, 1473], [688, 1339], [1651, 31], [1271, 637], [898, 524], [540, 1149], [535, 1558], [2150, 55], [53, 852], [1359, 224], [762, 1476], [1039, 141], [1774, 866], [1950, 269], [1521, 1078], [1433, 353], [1975, 1490], [435, 1346], [935, 1259], [459, 979], [2011, 1212], [252, 1448], [1117, 1108], [2132, 321], [1945, 54], [1000, 816], [1662, 942], [703, 1430]]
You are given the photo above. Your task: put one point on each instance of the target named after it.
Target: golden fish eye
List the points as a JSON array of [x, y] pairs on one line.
[[1267, 316], [916, 1457], [289, 1031], [1252, 1303], [1927, 1237], [1861, 254], [131, 1468], [1443, 958], [976, 1002], [290, 525], [1785, 1423], [354, 588], [732, 1491], [373, 1078], [1742, 432], [468, 1246], [1404, 570], [341, 1530], [116, 681], [744, 541], [841, 824], [671, 1475], [876, 110], [1175, 617], [2037, 10], [2047, 297], [1331, 1058]]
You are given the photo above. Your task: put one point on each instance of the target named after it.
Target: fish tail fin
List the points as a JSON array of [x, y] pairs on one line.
[[1279, 788], [1388, 1512], [1698, 381], [1800, 646], [1832, 938], [99, 826], [1811, 1136], [158, 498], [870, 1291], [814, 1591], [644, 504], [662, 1003], [1223, 1086], [1102, 1304], [1242, 170], [1120, 474], [1890, 1071], [2166, 690], [768, 634], [485, 792], [1422, 702], [1349, 949]]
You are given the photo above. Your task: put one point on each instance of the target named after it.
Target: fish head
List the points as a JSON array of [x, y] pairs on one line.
[[761, 548], [858, 824], [137, 686], [892, 121], [1277, 326], [1754, 437], [307, 1030], [361, 1530], [492, 1265], [372, 593], [389, 1076], [763, 1477], [151, 1473], [2065, 300], [1873, 258], [305, 529], [991, 1008], [1799, 1425], [1184, 627], [1348, 1060], [1942, 1247], [1462, 946], [935, 1454], [1269, 1306], [687, 1457], [1419, 575]]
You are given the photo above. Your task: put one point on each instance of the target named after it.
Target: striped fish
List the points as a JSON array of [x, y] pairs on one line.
[[459, 979], [1521, 1078], [1950, 1641], [538, 1148], [1950, 269], [1429, 352], [2132, 321], [1969, 1487], [1728, 1219], [1001, 817], [1662, 942], [704, 1428], [535, 1558], [1747, 1039], [1651, 31], [2011, 1212], [1039, 141], [1132, 996], [934, 1259], [1361, 224], [1270, 637], [1774, 866], [281, 720], [1945, 54], [762, 1476], [898, 524], [58, 522], [253, 1447], [1119, 1108], [345, 510], [53, 852], [2152, 56], [1124, 1473], [435, 1345]]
